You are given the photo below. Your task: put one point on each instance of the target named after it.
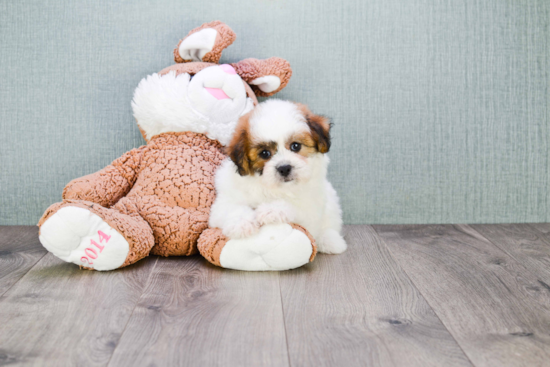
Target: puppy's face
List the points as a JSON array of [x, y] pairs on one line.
[[279, 142]]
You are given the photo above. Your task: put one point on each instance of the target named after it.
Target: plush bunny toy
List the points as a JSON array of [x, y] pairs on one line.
[[156, 199]]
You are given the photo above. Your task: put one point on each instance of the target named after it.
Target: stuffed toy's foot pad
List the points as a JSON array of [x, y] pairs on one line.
[[274, 247], [77, 235]]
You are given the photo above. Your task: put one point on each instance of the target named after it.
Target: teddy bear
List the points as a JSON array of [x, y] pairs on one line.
[[156, 199]]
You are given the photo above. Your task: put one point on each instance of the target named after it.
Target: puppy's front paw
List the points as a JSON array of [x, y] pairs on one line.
[[331, 242], [273, 213], [242, 229]]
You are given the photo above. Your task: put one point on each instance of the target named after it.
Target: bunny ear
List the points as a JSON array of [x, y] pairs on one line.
[[266, 77], [205, 43]]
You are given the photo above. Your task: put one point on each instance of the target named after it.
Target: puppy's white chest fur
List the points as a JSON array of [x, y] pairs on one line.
[[304, 202]]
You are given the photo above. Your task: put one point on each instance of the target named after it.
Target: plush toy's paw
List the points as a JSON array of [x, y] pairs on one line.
[[274, 247], [241, 229], [273, 213], [205, 43], [77, 235], [331, 242]]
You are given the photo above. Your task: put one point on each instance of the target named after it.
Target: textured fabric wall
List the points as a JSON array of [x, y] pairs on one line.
[[440, 107]]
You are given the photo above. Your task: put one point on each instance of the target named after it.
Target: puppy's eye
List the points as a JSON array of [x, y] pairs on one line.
[[265, 154], [295, 147]]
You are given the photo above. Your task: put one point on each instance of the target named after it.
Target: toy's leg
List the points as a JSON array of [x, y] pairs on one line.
[[95, 237], [176, 230], [274, 247]]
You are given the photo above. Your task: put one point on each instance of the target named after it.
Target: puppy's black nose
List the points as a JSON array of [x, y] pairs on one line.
[[284, 170]]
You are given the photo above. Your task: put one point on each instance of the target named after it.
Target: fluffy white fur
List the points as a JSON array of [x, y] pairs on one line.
[[171, 103], [246, 203]]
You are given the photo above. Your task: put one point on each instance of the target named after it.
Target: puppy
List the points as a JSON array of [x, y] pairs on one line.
[[276, 173]]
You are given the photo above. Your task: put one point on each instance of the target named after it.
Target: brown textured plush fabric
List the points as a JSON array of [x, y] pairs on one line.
[[211, 244], [109, 185], [157, 194], [192, 68], [250, 69], [224, 38]]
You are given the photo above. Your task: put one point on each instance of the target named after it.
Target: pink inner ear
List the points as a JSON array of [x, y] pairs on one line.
[[217, 93]]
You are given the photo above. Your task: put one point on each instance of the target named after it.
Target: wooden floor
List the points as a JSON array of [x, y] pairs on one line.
[[422, 295]]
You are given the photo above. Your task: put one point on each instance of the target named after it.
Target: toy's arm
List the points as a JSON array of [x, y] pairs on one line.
[[205, 43], [108, 185]]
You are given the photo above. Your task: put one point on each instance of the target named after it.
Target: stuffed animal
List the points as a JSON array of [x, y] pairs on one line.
[[156, 199]]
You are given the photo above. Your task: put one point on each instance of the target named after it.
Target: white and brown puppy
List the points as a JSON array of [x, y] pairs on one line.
[[276, 173]]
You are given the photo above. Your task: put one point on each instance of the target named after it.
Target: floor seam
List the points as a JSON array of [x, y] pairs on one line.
[[423, 296], [505, 251], [284, 320], [132, 313], [22, 276], [542, 235]]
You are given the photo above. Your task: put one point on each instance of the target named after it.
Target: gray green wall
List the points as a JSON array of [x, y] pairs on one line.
[[440, 107]]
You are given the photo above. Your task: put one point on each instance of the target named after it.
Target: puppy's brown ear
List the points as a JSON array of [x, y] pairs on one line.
[[239, 146], [319, 126]]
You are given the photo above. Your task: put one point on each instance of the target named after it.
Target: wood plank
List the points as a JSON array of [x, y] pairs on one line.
[[543, 228], [19, 252], [492, 305], [60, 315], [360, 309], [524, 243], [195, 314]]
